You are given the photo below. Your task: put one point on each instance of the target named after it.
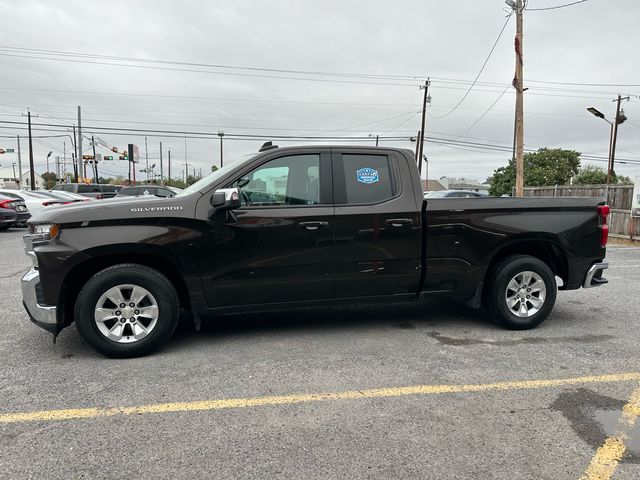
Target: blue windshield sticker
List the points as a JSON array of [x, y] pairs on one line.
[[367, 175]]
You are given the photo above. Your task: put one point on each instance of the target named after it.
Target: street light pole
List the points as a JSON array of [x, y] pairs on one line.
[[620, 118]]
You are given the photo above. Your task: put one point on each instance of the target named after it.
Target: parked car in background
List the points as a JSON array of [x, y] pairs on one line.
[[90, 190], [35, 200], [18, 207], [455, 194], [151, 190], [8, 213]]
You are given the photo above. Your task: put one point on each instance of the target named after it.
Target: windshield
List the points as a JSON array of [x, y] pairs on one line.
[[203, 183]]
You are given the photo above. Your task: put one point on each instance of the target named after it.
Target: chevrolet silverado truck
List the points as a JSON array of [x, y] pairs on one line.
[[297, 227]]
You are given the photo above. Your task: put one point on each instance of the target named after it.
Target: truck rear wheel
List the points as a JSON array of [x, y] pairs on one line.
[[520, 292], [127, 310]]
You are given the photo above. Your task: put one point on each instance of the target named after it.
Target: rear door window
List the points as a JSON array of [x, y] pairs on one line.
[[367, 179]]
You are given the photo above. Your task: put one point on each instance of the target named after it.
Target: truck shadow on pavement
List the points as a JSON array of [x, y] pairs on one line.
[[325, 319]]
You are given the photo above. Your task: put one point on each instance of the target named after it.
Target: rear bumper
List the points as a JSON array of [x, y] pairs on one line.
[[594, 277], [42, 315]]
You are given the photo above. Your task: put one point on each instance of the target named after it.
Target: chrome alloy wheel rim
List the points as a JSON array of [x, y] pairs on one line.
[[525, 294], [126, 313]]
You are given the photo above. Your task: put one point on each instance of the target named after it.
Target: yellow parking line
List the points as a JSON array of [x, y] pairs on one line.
[[604, 462], [79, 413]]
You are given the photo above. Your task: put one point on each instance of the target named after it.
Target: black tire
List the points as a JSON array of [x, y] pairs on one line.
[[162, 291], [5, 227], [497, 289]]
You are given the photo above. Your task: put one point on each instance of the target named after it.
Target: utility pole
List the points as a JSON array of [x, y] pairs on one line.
[[418, 144], [75, 161], [220, 134], [146, 154], [79, 156], [64, 161], [618, 120], [519, 86], [32, 173], [424, 114], [161, 174], [19, 163], [95, 164], [169, 153]]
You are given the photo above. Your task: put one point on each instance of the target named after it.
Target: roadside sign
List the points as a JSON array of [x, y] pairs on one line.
[[635, 201], [133, 153]]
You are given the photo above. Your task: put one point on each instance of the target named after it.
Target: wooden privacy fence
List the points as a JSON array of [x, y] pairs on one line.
[[623, 224], [618, 197]]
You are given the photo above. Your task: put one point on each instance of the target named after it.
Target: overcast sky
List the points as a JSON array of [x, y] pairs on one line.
[[594, 42]]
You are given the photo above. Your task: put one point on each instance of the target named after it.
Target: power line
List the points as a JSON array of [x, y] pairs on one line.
[[481, 69], [487, 110], [150, 67], [555, 7], [209, 65]]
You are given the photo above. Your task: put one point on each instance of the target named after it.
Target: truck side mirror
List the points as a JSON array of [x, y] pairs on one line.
[[226, 199]]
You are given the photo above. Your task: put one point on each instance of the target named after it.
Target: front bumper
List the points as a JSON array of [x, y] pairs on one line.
[[594, 276], [42, 315]]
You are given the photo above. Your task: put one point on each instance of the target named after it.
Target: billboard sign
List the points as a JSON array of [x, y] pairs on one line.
[[134, 154]]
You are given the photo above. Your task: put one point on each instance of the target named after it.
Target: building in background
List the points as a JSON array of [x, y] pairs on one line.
[[453, 183], [9, 179], [432, 186]]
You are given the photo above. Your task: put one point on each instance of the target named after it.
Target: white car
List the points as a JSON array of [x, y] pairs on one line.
[[35, 200]]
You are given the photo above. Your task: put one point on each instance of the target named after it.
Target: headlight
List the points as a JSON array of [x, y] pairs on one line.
[[44, 231]]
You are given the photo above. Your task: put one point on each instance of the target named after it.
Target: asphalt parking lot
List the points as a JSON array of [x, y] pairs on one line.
[[428, 391]]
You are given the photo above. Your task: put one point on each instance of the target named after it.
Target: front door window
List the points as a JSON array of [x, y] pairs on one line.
[[284, 181]]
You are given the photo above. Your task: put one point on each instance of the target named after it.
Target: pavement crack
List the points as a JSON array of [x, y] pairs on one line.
[[13, 274]]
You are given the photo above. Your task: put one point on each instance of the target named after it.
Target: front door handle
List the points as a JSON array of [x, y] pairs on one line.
[[399, 222], [313, 225]]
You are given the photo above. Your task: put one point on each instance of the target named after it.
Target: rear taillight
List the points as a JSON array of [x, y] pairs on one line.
[[49, 203], [603, 213], [99, 196], [6, 204]]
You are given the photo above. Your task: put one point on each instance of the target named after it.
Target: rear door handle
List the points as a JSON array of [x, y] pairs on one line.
[[399, 222], [313, 225]]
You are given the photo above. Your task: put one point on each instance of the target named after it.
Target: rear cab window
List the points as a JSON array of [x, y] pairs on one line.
[[365, 179]]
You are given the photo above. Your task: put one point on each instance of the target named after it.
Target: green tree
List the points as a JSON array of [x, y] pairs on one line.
[[547, 166], [49, 180], [594, 175], [191, 180], [174, 183]]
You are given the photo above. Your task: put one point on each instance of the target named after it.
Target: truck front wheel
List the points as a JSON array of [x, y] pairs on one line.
[[127, 310], [520, 292]]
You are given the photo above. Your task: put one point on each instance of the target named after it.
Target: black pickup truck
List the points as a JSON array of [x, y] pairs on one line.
[[296, 227]]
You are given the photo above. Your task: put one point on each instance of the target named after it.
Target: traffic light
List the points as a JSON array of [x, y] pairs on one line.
[[1, 151], [114, 149], [87, 157], [107, 157]]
